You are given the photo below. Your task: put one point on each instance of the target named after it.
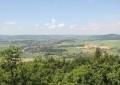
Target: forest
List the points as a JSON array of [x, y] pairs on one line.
[[100, 68]]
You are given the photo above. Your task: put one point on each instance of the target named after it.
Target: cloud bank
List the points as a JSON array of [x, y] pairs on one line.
[[58, 27]]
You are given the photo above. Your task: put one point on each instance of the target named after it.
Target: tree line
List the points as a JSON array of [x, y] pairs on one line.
[[101, 68]]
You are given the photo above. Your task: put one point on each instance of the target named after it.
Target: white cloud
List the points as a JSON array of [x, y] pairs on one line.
[[9, 27], [37, 25], [60, 25], [118, 23], [74, 26], [53, 24], [107, 27], [53, 21], [54, 27], [91, 28], [10, 23]]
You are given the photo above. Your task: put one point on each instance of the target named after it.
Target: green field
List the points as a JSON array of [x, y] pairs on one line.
[[61, 45]]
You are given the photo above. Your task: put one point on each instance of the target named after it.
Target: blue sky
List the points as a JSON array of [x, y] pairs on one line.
[[79, 17]]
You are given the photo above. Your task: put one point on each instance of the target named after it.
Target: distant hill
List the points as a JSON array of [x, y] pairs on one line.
[[58, 37], [107, 37]]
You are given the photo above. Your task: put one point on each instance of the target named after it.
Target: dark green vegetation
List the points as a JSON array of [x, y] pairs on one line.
[[99, 69]]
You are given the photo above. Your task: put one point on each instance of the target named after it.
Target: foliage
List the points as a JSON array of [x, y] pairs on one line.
[[100, 69]]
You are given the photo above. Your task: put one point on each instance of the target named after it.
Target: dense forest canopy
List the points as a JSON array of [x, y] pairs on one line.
[[101, 68]]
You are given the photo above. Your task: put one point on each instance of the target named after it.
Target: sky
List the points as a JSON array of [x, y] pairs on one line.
[[62, 17]]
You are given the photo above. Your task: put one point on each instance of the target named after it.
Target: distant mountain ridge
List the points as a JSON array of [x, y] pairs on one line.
[[107, 37], [47, 37]]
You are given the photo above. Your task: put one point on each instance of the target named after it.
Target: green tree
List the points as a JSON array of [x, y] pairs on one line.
[[98, 53], [11, 58]]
